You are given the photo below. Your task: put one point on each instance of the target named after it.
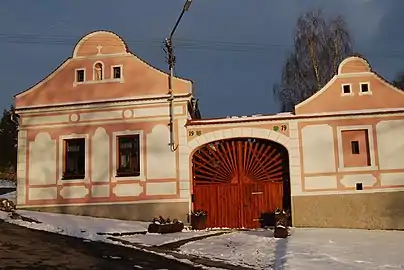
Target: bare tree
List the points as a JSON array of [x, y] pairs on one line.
[[399, 81], [319, 46]]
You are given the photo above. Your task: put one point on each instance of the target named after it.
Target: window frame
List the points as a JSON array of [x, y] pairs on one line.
[[62, 158], [115, 156], [341, 167], [121, 173], [76, 75], [351, 93], [369, 92], [121, 72]]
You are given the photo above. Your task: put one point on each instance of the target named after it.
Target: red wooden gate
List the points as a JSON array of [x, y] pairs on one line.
[[237, 180]]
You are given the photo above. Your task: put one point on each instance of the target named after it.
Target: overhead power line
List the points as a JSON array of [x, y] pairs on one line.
[[182, 44]]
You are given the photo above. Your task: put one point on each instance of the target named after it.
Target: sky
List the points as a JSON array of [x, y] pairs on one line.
[[233, 50]]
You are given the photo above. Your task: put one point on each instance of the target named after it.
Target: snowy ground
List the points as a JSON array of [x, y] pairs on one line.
[[162, 239], [304, 249], [12, 196], [7, 184]]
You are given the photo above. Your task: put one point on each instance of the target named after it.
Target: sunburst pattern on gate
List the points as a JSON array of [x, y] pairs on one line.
[[230, 160]]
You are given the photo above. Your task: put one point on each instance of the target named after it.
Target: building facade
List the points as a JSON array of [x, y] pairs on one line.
[[94, 133], [94, 136]]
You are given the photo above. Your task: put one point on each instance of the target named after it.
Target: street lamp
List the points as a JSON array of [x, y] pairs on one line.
[[171, 63]]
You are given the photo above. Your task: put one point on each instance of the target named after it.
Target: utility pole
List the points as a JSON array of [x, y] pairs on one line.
[[171, 64]]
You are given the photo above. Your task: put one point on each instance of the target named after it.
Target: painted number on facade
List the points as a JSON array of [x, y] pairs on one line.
[[193, 133], [282, 128]]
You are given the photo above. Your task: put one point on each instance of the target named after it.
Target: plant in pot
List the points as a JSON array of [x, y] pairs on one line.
[[281, 223], [162, 225], [198, 219]]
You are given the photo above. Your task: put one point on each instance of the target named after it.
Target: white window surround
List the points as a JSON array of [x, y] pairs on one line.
[[62, 159], [115, 136], [350, 87], [341, 167], [75, 76], [104, 80], [369, 92], [112, 73]]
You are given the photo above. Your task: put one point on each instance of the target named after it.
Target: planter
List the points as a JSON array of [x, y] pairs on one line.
[[165, 228], [198, 222], [281, 224]]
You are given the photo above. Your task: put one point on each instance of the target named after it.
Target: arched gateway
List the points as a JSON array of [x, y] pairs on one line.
[[239, 180]]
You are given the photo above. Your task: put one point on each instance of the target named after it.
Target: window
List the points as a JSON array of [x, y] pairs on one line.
[[364, 87], [116, 71], [346, 88], [128, 159], [80, 75], [98, 72], [74, 159], [355, 147]]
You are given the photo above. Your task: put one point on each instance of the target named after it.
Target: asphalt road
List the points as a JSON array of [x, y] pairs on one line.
[[22, 248]]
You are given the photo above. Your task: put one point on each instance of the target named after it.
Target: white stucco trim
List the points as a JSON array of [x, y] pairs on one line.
[[121, 79], [351, 92], [352, 58], [115, 136], [76, 82], [369, 92], [341, 167], [61, 158], [145, 100]]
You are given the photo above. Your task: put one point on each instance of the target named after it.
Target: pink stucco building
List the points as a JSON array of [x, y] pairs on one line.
[[94, 137]]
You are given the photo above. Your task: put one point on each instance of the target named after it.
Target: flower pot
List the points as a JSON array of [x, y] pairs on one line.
[[166, 228], [198, 222]]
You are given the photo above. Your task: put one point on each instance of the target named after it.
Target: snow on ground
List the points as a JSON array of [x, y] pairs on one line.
[[306, 249], [88, 227], [12, 196], [77, 226], [151, 239], [7, 184]]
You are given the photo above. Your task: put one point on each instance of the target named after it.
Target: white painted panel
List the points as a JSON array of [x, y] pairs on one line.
[[42, 160], [161, 161], [100, 191], [367, 180], [390, 144], [74, 192], [124, 190], [321, 182], [318, 149], [185, 194], [185, 185], [40, 120], [157, 111], [168, 188], [392, 179], [100, 156], [101, 115], [48, 193]]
